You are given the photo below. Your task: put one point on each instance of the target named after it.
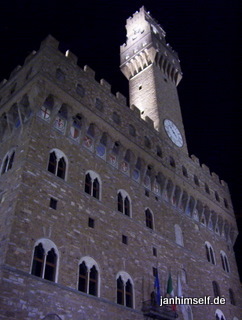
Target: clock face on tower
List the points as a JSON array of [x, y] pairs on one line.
[[173, 133]]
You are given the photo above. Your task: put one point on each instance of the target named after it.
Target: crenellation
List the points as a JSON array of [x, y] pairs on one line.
[[89, 71], [121, 98], [105, 85], [71, 57]]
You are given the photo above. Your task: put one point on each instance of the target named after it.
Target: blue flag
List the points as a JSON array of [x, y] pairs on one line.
[[157, 289]]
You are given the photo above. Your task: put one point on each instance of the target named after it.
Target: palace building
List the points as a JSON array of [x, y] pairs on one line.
[[102, 208]]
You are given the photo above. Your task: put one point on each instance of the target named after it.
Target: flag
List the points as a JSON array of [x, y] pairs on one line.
[[157, 289], [170, 291]]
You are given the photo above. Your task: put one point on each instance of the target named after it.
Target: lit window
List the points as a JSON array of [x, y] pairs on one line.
[[124, 290], [93, 184], [45, 260], [224, 260], [124, 203], [57, 163], [209, 253], [88, 281]]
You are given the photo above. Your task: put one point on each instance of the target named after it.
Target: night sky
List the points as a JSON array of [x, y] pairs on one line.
[[205, 33]]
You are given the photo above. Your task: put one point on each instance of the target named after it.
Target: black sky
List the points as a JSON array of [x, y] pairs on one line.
[[205, 33]]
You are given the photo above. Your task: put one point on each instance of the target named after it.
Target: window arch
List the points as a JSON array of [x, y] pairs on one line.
[[178, 235], [149, 220], [224, 260], [8, 161], [124, 202], [45, 260], [93, 184], [89, 276], [209, 252], [57, 163], [125, 289], [219, 315]]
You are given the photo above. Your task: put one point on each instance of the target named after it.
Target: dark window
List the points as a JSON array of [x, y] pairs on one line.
[[158, 152], [231, 297], [147, 194], [212, 255], [50, 266], [217, 196], [53, 203], [91, 223], [93, 281], [38, 261], [96, 188], [154, 252], [155, 272], [10, 164], [184, 172], [120, 202], [124, 239], [126, 206], [196, 180], [61, 168], [52, 162], [120, 291], [88, 184], [226, 203], [216, 290], [129, 294], [172, 162], [207, 188], [83, 277], [148, 219]]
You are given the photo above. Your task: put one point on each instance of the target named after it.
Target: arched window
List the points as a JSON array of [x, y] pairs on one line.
[[45, 260], [57, 163], [93, 184], [224, 260], [149, 219], [178, 235], [209, 252], [124, 203], [125, 294], [88, 281], [216, 290], [7, 161]]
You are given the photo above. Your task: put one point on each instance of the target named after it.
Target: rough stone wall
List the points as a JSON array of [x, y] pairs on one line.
[[26, 215]]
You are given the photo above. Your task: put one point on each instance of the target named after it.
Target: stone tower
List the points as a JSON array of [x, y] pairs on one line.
[[100, 201], [153, 70]]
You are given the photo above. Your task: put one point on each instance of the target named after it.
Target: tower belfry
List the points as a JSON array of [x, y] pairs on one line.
[[153, 70]]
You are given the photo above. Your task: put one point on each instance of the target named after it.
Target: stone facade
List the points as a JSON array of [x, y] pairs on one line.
[[50, 105]]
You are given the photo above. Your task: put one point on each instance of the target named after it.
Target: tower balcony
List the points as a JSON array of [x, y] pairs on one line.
[[154, 311]]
